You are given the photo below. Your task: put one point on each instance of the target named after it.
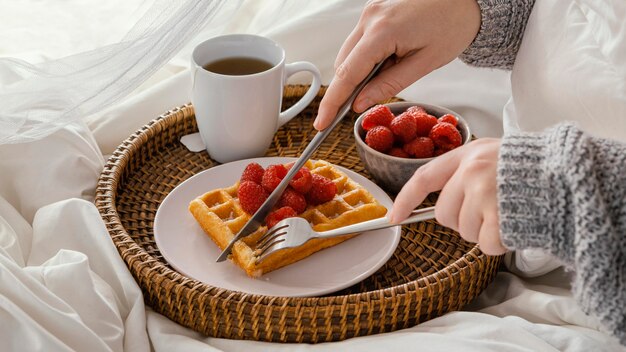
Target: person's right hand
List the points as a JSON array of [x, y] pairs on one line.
[[422, 34]]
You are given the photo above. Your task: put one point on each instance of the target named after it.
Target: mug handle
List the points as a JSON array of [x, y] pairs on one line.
[[291, 69]]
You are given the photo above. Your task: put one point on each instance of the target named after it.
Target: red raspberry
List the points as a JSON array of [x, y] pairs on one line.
[[279, 214], [301, 181], [416, 110], [425, 123], [251, 196], [272, 176], [323, 190], [253, 172], [380, 138], [439, 151], [291, 198], [445, 136], [398, 152], [404, 127], [449, 118], [379, 115], [420, 147]]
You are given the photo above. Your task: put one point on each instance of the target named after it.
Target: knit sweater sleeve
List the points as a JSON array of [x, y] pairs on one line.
[[564, 191], [500, 34]]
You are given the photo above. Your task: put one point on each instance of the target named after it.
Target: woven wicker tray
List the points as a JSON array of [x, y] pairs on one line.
[[433, 271]]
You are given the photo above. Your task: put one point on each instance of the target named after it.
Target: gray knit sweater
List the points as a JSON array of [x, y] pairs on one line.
[[560, 190]]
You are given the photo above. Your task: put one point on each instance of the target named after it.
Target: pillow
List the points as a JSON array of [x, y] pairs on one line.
[[571, 65]]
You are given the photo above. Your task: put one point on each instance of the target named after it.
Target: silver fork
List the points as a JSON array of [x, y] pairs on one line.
[[294, 232]]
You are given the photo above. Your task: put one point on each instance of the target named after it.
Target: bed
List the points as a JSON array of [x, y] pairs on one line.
[[63, 285]]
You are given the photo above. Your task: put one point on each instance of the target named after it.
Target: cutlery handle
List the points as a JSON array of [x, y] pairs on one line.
[[380, 223]]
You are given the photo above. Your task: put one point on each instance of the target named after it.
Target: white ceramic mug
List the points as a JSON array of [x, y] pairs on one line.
[[238, 115]]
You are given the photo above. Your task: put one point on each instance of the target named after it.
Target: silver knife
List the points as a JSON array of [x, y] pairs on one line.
[[259, 217]]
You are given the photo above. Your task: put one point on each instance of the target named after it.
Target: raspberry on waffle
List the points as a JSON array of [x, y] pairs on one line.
[[221, 217]]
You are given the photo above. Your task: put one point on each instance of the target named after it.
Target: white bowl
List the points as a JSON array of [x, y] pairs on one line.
[[391, 172]]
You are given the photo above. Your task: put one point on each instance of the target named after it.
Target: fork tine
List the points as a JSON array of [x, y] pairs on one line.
[[271, 232], [261, 244], [263, 252]]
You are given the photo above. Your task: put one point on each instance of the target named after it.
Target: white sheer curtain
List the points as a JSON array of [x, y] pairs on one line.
[[41, 98]]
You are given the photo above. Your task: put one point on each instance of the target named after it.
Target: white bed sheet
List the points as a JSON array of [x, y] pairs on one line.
[[63, 285]]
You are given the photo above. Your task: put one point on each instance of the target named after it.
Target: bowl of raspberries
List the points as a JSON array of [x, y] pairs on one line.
[[395, 139]]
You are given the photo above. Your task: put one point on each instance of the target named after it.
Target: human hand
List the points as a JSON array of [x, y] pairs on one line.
[[467, 203], [422, 35]]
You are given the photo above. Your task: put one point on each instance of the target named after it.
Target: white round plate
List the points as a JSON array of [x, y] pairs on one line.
[[189, 250]]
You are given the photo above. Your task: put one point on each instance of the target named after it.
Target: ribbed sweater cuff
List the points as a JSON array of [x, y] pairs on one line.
[[500, 35], [533, 199]]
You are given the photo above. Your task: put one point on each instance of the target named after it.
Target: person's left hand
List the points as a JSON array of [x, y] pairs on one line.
[[468, 201]]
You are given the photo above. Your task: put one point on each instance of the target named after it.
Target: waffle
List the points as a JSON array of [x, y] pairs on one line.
[[221, 217]]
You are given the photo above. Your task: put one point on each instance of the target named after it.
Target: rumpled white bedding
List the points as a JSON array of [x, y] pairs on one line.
[[63, 285]]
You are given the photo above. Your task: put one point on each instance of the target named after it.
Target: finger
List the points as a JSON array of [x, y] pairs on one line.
[[366, 54], [450, 201], [480, 197], [348, 45], [360, 61], [428, 178], [395, 78], [470, 220], [489, 235]]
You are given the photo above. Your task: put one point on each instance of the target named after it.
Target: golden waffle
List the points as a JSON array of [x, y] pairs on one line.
[[221, 217]]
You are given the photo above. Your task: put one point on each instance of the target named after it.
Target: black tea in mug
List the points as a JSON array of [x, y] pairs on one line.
[[238, 66]]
